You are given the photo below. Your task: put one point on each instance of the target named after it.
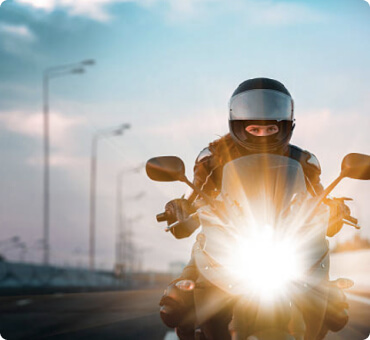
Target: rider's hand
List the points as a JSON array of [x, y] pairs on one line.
[[338, 208], [178, 210], [338, 211]]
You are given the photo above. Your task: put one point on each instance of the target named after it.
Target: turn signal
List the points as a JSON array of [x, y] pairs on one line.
[[185, 285]]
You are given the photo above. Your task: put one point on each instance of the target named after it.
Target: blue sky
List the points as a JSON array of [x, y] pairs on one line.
[[168, 67]]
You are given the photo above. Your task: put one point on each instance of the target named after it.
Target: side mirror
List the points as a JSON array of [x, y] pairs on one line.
[[356, 166], [165, 169]]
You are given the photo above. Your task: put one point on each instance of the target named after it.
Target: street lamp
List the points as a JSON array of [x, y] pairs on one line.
[[49, 73], [93, 170]]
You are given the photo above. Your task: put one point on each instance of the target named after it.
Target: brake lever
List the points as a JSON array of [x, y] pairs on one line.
[[343, 199], [352, 224], [171, 226]]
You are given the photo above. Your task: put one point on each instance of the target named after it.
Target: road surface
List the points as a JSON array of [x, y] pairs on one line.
[[117, 315]]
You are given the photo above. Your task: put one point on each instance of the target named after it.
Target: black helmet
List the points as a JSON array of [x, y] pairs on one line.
[[261, 101]]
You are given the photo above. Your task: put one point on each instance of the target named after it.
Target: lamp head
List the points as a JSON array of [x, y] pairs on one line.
[[78, 70], [88, 62]]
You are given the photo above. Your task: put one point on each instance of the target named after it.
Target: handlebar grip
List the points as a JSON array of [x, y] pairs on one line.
[[162, 217]]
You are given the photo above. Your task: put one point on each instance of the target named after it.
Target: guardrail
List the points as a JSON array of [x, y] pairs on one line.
[[13, 275]]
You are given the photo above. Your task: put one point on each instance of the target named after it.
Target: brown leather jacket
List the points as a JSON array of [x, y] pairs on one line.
[[209, 164]]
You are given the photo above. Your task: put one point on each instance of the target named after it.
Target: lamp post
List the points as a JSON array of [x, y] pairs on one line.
[[49, 73], [93, 171]]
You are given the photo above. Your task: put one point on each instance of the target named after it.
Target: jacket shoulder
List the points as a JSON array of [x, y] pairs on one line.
[[215, 149], [224, 149], [307, 159], [204, 155], [225, 140]]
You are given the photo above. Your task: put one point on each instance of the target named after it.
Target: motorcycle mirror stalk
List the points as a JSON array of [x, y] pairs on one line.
[[355, 166], [171, 169]]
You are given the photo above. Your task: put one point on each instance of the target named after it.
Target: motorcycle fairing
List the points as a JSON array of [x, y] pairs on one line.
[[262, 191]]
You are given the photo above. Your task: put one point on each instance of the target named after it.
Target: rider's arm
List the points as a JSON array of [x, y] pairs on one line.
[[203, 170], [338, 210], [313, 171], [207, 174], [180, 209]]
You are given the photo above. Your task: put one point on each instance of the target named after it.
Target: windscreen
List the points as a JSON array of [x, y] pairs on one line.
[[262, 185]]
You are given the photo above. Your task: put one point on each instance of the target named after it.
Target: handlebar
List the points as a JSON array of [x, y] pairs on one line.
[[163, 217]]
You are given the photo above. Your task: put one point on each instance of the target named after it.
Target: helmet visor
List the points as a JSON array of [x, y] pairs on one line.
[[261, 105]]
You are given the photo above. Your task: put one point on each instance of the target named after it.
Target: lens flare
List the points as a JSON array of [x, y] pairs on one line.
[[273, 239], [266, 263]]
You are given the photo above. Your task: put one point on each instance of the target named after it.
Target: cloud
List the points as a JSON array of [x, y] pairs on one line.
[[189, 127], [59, 160], [281, 13], [47, 5], [18, 31], [257, 12], [61, 130], [31, 125], [330, 136], [17, 40], [189, 7], [94, 9]]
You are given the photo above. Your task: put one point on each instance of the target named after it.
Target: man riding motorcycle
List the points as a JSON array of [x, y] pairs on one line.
[[261, 120]]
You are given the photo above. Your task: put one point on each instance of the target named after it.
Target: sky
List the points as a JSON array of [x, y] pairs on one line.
[[168, 68]]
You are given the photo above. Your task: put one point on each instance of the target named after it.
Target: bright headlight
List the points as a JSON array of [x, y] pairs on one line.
[[266, 263]]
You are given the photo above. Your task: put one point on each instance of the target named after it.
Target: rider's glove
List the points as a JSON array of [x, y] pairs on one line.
[[338, 211], [178, 210]]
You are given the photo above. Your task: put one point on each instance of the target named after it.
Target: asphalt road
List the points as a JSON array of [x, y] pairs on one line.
[[106, 315], [115, 315]]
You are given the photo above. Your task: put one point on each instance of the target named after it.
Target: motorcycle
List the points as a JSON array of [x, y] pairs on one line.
[[263, 244]]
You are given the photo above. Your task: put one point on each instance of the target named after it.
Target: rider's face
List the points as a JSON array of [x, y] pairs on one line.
[[262, 130]]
